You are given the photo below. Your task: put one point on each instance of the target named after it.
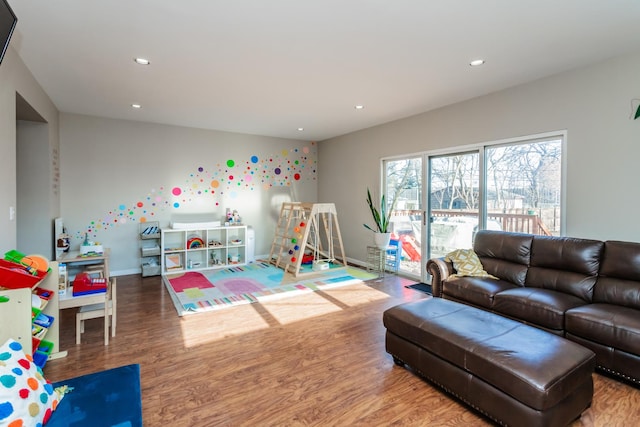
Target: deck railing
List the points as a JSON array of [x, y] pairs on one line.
[[518, 223]]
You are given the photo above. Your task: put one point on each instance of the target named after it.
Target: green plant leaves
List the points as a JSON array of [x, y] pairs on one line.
[[380, 217]]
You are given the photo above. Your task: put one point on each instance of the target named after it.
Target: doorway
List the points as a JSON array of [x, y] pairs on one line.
[[34, 233]]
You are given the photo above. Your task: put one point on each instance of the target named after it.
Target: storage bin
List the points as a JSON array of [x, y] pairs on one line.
[[150, 250], [40, 359], [14, 256], [45, 347], [150, 270], [43, 320], [15, 276]]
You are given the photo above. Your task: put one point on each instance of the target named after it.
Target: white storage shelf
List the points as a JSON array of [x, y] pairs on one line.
[[150, 248], [202, 249]]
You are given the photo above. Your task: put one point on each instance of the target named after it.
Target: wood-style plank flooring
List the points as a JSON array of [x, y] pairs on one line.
[[311, 360]]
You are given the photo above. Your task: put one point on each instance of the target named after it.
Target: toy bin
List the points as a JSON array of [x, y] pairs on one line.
[[45, 347], [40, 359], [41, 352], [14, 256], [43, 320], [15, 276], [35, 342]]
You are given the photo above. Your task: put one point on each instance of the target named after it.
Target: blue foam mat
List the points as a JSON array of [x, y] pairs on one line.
[[110, 398]]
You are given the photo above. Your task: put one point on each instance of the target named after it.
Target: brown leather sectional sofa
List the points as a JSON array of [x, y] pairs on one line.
[[585, 290]]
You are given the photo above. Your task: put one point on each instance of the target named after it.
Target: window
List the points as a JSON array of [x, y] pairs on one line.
[[523, 186]]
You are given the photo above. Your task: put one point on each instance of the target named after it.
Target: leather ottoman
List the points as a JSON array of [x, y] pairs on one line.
[[513, 373]]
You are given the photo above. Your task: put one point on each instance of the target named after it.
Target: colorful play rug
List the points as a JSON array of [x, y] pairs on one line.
[[198, 291]]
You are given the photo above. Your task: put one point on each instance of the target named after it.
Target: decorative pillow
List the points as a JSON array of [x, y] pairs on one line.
[[466, 263], [26, 398]]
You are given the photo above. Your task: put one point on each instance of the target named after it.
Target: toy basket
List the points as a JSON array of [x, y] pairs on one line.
[[16, 276]]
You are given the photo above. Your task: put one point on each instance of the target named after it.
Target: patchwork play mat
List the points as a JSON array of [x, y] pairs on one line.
[[198, 291]]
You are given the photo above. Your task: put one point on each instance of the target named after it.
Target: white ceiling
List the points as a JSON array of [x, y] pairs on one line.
[[267, 67]]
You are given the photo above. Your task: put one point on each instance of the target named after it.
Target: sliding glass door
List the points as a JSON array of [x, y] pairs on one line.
[[454, 201], [403, 182], [442, 200]]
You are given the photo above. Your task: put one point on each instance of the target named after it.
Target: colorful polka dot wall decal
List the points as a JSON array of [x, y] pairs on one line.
[[212, 184]]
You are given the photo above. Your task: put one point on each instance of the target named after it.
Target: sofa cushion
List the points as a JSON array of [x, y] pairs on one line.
[[565, 265], [466, 263], [607, 324], [504, 255], [542, 307], [619, 280], [478, 291]]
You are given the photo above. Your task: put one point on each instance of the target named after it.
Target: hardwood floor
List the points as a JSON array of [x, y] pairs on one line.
[[316, 359]]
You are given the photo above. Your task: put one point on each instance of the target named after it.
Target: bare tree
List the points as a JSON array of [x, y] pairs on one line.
[[400, 175], [525, 170], [455, 178]]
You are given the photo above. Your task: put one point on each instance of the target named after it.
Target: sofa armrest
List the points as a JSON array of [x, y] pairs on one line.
[[439, 269]]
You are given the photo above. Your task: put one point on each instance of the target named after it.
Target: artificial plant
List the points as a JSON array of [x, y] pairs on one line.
[[382, 216]]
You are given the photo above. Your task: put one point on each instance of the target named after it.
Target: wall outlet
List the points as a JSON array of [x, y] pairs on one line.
[[12, 213]]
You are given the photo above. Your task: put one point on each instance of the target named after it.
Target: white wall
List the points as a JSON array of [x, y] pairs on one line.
[[16, 78], [109, 167], [592, 104], [34, 181]]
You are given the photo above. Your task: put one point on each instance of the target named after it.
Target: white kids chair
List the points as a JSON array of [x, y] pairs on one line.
[[106, 309]]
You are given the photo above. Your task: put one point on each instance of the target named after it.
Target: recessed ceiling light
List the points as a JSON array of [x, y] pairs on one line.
[[300, 129], [476, 62], [142, 61], [137, 106], [359, 107]]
